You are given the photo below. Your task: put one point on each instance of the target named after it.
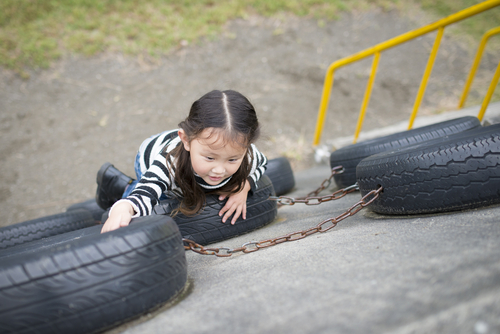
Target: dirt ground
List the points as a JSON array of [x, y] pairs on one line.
[[61, 125]]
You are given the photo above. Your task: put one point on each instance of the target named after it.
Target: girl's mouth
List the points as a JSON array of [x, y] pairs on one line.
[[213, 178]]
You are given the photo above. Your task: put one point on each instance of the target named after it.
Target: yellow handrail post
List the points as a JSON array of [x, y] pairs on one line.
[[475, 64], [489, 94], [366, 98], [325, 97], [425, 78]]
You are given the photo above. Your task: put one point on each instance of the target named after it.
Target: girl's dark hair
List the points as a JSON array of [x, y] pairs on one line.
[[231, 116]]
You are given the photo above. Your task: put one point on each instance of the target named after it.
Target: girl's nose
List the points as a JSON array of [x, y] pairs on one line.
[[219, 170]]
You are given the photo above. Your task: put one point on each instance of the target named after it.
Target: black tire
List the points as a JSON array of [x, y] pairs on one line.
[[460, 172], [280, 172], [44, 227], [351, 155], [207, 227], [89, 205], [85, 282]]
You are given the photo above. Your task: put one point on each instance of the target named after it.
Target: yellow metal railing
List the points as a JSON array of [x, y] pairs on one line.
[[377, 49], [472, 73], [489, 93]]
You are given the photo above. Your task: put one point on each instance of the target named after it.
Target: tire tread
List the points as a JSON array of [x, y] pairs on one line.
[[460, 173], [44, 227], [350, 156]]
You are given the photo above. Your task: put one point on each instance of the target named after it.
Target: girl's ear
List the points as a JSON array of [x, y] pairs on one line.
[[185, 139]]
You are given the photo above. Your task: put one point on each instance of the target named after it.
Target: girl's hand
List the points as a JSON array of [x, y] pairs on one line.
[[237, 204], [120, 216]]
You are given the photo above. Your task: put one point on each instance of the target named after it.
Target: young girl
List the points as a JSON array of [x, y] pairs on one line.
[[212, 152]]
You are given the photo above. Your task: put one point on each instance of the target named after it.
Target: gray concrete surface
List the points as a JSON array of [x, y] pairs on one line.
[[371, 274]]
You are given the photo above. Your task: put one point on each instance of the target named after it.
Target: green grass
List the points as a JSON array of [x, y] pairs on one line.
[[34, 33], [475, 26], [470, 30]]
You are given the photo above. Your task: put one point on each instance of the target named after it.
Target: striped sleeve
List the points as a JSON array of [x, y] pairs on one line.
[[157, 177], [259, 165]]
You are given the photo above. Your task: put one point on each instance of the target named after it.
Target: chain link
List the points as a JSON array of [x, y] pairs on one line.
[[253, 246], [312, 198], [326, 183]]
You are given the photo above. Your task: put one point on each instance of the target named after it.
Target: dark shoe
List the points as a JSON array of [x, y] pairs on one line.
[[111, 183]]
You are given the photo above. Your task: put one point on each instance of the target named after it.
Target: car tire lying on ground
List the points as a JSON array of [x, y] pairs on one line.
[[280, 172], [207, 227], [44, 227], [351, 155], [455, 173], [84, 281]]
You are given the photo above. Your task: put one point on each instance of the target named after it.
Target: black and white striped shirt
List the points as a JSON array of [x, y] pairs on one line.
[[157, 177]]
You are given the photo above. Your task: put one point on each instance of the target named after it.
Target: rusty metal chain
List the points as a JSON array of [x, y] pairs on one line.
[[253, 246], [326, 183], [312, 198]]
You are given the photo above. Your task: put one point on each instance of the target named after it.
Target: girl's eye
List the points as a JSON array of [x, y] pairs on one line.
[[233, 160], [209, 158]]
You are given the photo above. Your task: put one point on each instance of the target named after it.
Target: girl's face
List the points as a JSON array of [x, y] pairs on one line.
[[212, 158]]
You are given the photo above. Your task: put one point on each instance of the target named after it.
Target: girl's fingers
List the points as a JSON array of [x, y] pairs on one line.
[[230, 210], [114, 223], [225, 209], [236, 215], [228, 214], [222, 211], [124, 223], [233, 206], [108, 228], [120, 216], [105, 228]]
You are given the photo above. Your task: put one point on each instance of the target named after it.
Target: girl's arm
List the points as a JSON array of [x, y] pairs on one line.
[[142, 199], [236, 203], [120, 215], [259, 165], [155, 180]]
